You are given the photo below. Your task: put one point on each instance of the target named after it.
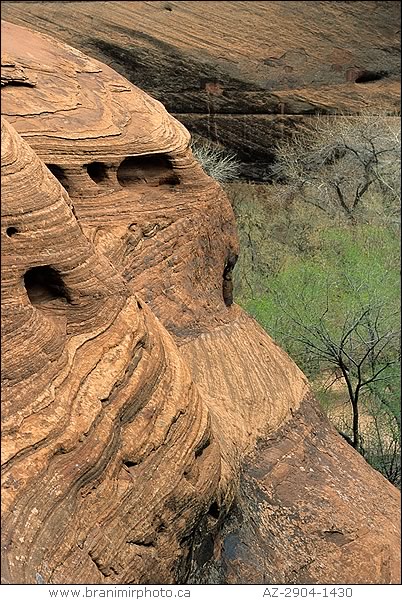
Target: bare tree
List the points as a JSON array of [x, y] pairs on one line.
[[362, 346], [336, 163]]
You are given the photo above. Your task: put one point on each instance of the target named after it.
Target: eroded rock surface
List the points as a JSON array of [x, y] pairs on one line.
[[146, 418], [243, 73], [307, 511], [107, 460]]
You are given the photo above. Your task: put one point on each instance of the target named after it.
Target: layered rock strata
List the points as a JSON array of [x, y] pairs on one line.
[[241, 73], [108, 460]]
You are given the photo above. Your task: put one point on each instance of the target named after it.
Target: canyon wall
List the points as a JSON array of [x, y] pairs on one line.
[[241, 73]]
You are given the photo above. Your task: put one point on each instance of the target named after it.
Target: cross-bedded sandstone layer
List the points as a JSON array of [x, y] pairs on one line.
[[244, 73], [152, 432], [107, 453]]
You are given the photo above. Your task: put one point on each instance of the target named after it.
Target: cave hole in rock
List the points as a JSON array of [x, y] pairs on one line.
[[227, 283], [367, 76], [44, 284], [10, 231], [60, 175], [149, 169], [202, 446], [131, 463], [97, 172], [214, 510]]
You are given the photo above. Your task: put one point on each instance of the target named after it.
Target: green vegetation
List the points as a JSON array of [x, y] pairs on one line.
[[324, 281]]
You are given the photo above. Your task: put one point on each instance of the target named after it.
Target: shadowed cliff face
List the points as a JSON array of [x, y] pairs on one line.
[[243, 73], [148, 423]]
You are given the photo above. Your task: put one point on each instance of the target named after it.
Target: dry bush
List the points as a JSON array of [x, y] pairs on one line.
[[218, 163]]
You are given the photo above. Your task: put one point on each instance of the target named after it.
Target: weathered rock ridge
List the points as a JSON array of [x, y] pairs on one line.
[[242, 73], [151, 431]]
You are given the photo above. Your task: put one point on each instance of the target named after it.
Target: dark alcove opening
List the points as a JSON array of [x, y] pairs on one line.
[[367, 76], [60, 175], [97, 172], [44, 284], [227, 284], [10, 231], [150, 169]]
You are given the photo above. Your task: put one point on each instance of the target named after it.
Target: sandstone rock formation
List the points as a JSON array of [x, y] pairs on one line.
[[152, 432], [243, 73]]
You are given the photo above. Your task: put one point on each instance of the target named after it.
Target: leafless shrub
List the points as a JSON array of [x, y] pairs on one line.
[[218, 163]]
